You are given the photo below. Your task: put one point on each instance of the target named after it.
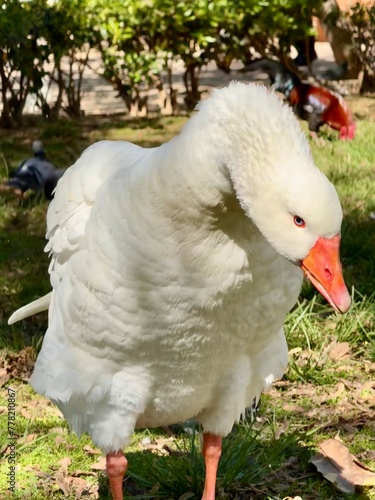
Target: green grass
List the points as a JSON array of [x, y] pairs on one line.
[[320, 395]]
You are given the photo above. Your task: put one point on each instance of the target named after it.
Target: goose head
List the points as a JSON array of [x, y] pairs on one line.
[[280, 189], [300, 216]]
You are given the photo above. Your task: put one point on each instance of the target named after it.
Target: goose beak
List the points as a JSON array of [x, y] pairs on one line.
[[323, 267]]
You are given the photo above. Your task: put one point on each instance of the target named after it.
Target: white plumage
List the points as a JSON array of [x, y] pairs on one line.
[[173, 269]]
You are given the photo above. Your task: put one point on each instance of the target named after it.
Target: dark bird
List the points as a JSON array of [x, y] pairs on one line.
[[314, 104], [335, 72], [36, 173]]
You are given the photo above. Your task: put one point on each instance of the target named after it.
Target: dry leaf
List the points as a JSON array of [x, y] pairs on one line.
[[59, 440], [63, 483], [64, 464], [339, 351], [340, 388], [296, 350], [79, 486], [360, 464], [294, 408], [20, 365], [99, 465], [78, 473], [281, 429], [25, 413], [4, 377], [331, 473], [159, 445], [91, 451], [368, 455], [94, 491], [340, 467]]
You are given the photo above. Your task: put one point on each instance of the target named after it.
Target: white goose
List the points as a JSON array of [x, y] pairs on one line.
[[173, 269]]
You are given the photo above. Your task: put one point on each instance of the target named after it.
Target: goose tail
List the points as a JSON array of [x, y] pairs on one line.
[[34, 307]]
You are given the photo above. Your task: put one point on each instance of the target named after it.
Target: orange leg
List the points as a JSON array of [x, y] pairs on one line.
[[116, 465], [211, 453]]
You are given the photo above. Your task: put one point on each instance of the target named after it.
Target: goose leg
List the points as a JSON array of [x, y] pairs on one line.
[[211, 454], [116, 466]]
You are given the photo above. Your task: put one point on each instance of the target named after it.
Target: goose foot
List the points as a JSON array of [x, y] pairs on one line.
[[116, 466], [211, 453]]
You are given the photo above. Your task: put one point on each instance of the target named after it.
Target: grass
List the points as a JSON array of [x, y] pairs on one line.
[[324, 392]]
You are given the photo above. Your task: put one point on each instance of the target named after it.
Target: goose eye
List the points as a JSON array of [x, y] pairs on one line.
[[298, 221]]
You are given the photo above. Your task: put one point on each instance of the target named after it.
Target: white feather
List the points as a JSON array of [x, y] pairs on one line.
[[170, 271], [34, 307]]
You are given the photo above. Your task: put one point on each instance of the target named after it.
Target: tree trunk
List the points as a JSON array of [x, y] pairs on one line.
[[191, 81], [339, 37], [6, 120], [56, 108], [368, 82]]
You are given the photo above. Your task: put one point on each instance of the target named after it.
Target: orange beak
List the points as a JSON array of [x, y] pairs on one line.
[[322, 266]]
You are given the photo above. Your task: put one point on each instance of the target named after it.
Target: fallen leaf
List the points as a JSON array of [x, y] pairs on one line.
[[366, 392], [368, 455], [25, 413], [59, 440], [340, 467], [64, 464], [99, 465], [4, 377], [159, 445], [307, 390], [94, 491], [350, 428], [91, 451], [332, 474], [20, 365], [281, 429], [63, 483], [340, 388], [296, 350], [294, 408], [78, 472], [361, 465], [339, 351], [44, 475], [79, 486]]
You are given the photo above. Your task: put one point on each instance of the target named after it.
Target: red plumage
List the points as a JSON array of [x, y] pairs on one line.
[[318, 105], [314, 104]]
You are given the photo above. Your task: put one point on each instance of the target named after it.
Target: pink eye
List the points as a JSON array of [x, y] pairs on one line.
[[298, 221]]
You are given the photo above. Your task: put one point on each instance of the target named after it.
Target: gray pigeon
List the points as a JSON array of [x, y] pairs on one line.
[[36, 173]]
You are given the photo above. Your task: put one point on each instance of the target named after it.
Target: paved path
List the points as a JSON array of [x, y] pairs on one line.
[[100, 98]]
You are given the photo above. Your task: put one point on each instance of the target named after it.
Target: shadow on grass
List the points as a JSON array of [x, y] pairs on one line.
[[65, 140], [179, 473], [23, 269], [358, 244], [252, 466]]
